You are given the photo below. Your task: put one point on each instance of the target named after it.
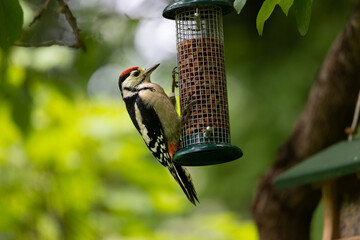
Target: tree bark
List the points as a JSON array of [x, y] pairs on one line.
[[348, 188], [286, 214]]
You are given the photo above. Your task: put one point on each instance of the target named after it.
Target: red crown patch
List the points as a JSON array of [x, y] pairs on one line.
[[128, 70]]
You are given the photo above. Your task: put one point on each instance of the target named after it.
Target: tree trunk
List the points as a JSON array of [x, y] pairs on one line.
[[286, 214]]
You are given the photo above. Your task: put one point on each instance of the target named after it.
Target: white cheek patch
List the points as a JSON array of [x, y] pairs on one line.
[[133, 81], [143, 130]]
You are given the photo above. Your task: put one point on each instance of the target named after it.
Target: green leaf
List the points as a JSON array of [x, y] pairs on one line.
[[286, 5], [264, 13], [238, 5], [303, 15], [11, 21]]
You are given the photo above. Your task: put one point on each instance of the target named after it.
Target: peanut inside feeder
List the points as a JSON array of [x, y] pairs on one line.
[[202, 82]]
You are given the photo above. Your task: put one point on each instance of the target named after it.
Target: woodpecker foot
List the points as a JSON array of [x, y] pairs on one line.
[[175, 83], [186, 112], [173, 99]]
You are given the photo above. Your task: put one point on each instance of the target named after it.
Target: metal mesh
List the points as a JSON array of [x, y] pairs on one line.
[[202, 77]]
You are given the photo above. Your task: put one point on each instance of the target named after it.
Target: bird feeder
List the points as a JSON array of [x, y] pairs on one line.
[[336, 170], [202, 81]]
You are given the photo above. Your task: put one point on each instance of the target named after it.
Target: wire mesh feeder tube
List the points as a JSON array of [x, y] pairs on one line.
[[202, 87]]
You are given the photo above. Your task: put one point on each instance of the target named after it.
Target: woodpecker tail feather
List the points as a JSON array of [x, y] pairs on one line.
[[183, 177]]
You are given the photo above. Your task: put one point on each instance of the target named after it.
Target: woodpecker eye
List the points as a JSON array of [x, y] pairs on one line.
[[136, 73]]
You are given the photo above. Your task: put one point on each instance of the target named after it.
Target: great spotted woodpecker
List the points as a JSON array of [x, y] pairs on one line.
[[156, 119]]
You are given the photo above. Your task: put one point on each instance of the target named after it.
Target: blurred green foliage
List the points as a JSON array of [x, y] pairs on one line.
[[11, 21], [72, 166], [302, 9]]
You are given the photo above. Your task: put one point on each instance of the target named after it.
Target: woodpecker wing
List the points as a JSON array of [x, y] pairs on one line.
[[149, 126]]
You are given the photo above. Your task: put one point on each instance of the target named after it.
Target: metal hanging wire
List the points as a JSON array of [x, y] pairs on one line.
[[351, 131]]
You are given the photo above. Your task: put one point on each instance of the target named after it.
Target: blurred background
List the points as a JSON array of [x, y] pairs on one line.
[[72, 166]]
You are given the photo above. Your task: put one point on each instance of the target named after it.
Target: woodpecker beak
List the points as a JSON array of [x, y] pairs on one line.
[[149, 70]]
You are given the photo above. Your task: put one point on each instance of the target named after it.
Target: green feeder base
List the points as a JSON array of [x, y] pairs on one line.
[[338, 160], [207, 154]]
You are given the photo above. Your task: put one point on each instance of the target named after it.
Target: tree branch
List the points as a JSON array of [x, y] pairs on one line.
[[69, 18], [286, 214], [39, 12], [72, 21]]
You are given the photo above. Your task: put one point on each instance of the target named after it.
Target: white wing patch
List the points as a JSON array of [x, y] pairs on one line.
[[157, 146], [143, 130]]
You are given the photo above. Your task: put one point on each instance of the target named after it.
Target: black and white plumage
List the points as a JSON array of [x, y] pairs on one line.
[[157, 121]]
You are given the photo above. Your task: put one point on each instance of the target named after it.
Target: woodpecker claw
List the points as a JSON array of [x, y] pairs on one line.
[[186, 112], [174, 83]]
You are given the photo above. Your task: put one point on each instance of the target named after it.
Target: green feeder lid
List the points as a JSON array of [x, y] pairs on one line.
[[207, 154], [335, 161], [169, 11]]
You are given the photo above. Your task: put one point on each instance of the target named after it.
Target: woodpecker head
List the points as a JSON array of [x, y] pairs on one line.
[[132, 77]]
